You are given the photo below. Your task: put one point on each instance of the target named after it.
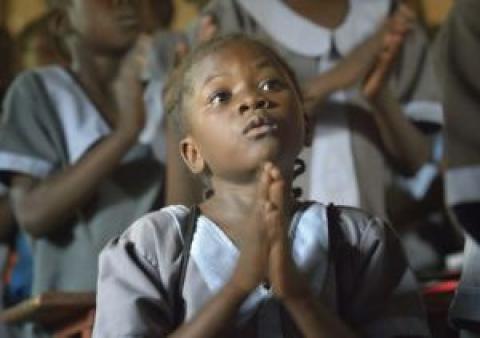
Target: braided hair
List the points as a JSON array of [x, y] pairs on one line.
[[178, 86]]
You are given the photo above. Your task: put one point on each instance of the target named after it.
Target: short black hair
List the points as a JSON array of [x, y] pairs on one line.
[[41, 27], [180, 79]]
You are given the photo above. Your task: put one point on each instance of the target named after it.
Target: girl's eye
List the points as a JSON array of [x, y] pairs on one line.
[[219, 97], [271, 85]]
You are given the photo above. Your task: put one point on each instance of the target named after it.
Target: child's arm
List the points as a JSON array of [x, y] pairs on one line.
[[348, 72], [406, 145], [354, 67], [42, 206], [408, 148]]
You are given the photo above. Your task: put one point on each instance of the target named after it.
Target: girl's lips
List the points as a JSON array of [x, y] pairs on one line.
[[260, 131], [258, 126]]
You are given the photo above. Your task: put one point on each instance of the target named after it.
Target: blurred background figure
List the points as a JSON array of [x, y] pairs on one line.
[[458, 50], [381, 157], [7, 225], [6, 59], [37, 46], [158, 14]]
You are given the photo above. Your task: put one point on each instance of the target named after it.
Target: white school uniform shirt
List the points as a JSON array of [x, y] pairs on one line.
[[50, 123], [138, 285], [343, 165]]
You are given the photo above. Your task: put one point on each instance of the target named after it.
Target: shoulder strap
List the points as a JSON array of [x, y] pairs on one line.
[[191, 226], [334, 238]]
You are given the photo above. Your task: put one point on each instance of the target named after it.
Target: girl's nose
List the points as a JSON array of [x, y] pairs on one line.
[[253, 103]]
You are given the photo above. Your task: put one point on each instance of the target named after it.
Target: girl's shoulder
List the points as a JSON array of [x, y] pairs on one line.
[[157, 234], [354, 226], [26, 80], [167, 220]]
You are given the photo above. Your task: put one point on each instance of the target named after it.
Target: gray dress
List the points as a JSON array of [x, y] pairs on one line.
[[457, 51], [139, 272], [49, 123], [3, 262], [346, 163]]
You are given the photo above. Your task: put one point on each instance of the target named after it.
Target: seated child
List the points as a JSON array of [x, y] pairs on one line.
[[251, 260]]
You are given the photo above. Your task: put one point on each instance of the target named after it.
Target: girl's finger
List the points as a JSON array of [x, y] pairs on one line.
[[277, 194], [264, 184]]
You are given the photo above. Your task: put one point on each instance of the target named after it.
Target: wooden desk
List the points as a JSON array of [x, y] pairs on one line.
[[65, 314]]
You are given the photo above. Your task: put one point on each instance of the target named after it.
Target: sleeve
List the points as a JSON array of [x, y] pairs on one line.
[[136, 283], [457, 48], [383, 299], [417, 87], [30, 134], [415, 81]]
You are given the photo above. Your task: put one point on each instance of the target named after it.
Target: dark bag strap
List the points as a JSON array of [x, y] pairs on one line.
[[335, 237], [191, 226]]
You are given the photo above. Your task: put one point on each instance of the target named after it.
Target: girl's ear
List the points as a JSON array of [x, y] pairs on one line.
[[191, 155], [59, 23]]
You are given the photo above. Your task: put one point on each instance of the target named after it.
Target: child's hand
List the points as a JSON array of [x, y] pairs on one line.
[[128, 90], [208, 28], [348, 72], [394, 34], [369, 62], [254, 245], [285, 279]]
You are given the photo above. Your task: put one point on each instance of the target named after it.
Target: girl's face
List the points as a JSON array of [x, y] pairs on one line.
[[242, 112], [106, 24]]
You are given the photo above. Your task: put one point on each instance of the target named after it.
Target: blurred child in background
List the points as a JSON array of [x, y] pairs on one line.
[[74, 144]]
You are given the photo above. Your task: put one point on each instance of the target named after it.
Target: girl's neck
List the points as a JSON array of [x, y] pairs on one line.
[[231, 204], [328, 14]]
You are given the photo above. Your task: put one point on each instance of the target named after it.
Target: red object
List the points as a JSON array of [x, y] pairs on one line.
[[443, 287]]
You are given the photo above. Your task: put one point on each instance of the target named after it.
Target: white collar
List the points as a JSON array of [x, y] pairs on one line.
[[304, 37], [82, 123]]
